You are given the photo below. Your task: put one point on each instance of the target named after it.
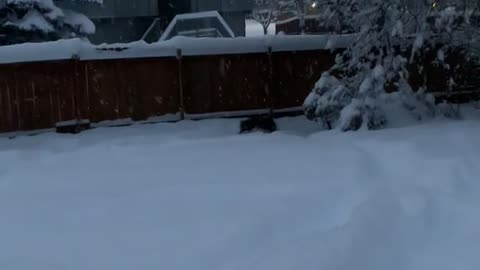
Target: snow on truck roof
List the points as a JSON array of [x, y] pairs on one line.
[[82, 50], [195, 23]]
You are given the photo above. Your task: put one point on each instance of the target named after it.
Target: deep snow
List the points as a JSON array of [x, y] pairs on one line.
[[195, 195]]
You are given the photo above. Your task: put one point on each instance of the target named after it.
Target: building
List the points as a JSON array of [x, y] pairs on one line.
[[121, 21]]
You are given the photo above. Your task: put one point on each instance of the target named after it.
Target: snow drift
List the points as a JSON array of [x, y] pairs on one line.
[[194, 195]]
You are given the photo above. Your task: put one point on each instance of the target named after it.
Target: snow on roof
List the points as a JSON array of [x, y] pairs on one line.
[[77, 48], [196, 16]]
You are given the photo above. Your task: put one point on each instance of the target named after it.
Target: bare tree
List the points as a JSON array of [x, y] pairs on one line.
[[297, 8], [301, 7], [264, 13]]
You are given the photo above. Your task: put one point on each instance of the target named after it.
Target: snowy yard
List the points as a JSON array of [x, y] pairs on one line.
[[254, 29], [197, 196]]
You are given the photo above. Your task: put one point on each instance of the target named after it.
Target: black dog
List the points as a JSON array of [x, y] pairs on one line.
[[73, 127], [262, 123]]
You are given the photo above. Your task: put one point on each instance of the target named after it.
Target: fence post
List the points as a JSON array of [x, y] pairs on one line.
[[88, 113], [17, 101], [9, 107], [270, 81], [180, 83], [76, 88]]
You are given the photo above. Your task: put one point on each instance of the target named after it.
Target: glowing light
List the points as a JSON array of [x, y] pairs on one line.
[[314, 4], [434, 5]]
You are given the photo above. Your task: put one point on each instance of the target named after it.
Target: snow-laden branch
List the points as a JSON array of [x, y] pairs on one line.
[[42, 20]]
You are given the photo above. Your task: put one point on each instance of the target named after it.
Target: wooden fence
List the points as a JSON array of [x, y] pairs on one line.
[[39, 95]]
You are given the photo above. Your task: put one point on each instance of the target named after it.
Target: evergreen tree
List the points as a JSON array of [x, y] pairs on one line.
[[41, 20], [391, 37]]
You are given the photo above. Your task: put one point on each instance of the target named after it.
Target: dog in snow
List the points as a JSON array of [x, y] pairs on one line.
[[264, 123]]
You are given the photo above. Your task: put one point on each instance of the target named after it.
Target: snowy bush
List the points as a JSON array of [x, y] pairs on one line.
[[392, 39], [42, 20], [335, 15]]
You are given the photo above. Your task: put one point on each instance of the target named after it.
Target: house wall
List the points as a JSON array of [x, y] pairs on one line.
[[234, 12], [126, 21], [236, 21], [120, 30], [170, 8], [116, 8], [118, 20], [222, 5]]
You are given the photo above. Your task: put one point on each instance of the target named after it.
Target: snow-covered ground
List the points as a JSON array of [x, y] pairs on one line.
[[254, 29], [197, 196]]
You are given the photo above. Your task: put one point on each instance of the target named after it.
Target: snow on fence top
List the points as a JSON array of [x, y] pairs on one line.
[[82, 50]]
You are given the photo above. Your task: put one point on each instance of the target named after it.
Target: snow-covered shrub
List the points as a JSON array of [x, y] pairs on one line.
[[335, 15], [391, 40], [41, 20]]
